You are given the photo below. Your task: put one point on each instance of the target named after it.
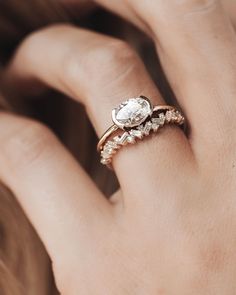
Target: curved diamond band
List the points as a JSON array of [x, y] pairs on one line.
[[138, 119]]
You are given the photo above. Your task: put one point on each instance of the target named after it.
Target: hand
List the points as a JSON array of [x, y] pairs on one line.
[[170, 229]]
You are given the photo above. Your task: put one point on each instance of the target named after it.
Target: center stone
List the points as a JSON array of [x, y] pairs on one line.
[[132, 112]]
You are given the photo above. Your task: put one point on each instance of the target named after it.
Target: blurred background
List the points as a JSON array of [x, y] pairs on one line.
[[25, 268]]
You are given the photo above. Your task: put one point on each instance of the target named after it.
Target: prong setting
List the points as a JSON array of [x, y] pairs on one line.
[[132, 112]]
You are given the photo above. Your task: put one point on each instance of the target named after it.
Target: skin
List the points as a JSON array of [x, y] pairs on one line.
[[170, 229]]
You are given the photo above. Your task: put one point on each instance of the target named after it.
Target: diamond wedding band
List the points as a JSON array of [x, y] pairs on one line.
[[136, 118]]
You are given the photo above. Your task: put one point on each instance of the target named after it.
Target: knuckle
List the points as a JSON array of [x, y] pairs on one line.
[[36, 37], [103, 62], [114, 51], [177, 10], [35, 41], [194, 6], [29, 143], [28, 47]]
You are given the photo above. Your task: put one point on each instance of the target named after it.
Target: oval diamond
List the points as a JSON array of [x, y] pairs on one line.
[[132, 112]]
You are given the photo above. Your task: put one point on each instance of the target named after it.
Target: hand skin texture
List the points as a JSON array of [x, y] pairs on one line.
[[171, 228]]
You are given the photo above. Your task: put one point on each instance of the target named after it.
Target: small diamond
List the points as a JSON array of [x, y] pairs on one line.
[[159, 120], [169, 116], [147, 128], [123, 138], [179, 118], [141, 129], [108, 150], [116, 139], [155, 125], [162, 119], [136, 133], [109, 147], [131, 139], [112, 144], [105, 161], [105, 155], [174, 117]]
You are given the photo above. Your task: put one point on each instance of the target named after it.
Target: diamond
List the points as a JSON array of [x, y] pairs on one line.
[[179, 118], [105, 161], [108, 150], [105, 155], [132, 112], [111, 144], [169, 116], [162, 119], [121, 139], [181, 121], [136, 133], [131, 139], [141, 129], [116, 139], [147, 128], [155, 124]]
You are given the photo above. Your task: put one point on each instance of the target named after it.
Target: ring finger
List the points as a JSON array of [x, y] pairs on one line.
[[196, 44]]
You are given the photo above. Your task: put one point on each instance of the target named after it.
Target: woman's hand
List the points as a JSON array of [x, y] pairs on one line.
[[170, 229]]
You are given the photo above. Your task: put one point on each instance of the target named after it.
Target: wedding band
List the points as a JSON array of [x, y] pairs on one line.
[[137, 118]]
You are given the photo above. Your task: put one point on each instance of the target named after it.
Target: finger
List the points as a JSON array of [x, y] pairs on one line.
[[101, 72], [128, 11], [230, 8], [198, 54], [197, 46], [60, 199]]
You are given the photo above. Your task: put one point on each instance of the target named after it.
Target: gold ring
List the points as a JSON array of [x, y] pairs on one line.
[[137, 118]]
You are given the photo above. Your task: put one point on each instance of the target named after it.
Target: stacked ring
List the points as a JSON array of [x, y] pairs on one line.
[[138, 119]]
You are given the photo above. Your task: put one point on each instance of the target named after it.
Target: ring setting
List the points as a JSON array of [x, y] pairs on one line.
[[132, 112], [135, 118]]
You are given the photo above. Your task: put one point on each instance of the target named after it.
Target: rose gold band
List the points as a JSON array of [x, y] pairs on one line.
[[105, 136], [166, 115], [135, 119], [111, 130]]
